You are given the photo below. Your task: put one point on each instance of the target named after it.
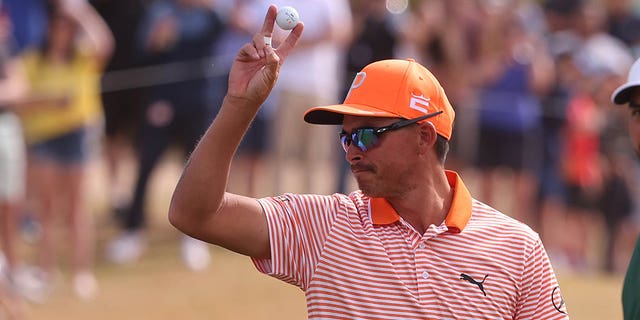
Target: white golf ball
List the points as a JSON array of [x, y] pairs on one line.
[[287, 18]]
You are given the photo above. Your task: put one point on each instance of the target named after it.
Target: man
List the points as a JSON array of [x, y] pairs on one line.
[[629, 93], [410, 244]]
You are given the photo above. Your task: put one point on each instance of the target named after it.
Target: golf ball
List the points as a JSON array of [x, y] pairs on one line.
[[287, 18]]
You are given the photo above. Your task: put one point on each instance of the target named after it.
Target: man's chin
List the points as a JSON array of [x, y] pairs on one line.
[[369, 186], [369, 192]]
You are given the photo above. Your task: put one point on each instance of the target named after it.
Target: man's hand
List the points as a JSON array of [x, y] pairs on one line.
[[255, 69]]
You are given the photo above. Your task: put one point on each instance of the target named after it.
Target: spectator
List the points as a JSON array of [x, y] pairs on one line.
[[177, 36], [629, 93], [601, 60], [122, 99], [62, 120], [13, 87], [30, 22], [515, 69], [581, 172], [551, 193]]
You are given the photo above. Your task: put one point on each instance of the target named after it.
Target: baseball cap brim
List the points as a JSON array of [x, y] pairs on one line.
[[334, 114], [621, 95]]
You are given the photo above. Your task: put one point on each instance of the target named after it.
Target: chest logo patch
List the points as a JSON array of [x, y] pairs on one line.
[[480, 284]]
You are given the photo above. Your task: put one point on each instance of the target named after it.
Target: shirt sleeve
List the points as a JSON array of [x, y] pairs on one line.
[[298, 228], [540, 296]]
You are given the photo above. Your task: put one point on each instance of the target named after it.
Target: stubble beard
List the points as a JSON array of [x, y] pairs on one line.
[[377, 187], [368, 187], [377, 182]]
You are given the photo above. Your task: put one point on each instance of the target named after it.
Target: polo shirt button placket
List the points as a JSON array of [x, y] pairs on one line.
[[422, 263]]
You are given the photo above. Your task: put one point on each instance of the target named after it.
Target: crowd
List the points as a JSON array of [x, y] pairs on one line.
[[530, 82]]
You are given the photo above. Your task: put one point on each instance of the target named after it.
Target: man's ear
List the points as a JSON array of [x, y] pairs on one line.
[[428, 135]]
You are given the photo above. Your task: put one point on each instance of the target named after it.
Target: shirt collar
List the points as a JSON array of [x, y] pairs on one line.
[[382, 212]]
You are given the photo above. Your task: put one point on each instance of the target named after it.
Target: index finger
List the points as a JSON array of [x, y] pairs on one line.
[[269, 21], [290, 42]]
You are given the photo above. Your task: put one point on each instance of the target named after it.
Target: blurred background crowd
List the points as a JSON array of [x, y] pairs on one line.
[[124, 82]]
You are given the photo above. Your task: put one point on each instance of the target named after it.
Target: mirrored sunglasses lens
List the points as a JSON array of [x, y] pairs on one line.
[[345, 141], [366, 139]]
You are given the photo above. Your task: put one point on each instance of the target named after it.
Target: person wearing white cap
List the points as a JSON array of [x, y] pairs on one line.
[[629, 93]]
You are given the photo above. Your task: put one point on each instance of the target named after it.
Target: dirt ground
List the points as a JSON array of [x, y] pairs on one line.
[[160, 287]]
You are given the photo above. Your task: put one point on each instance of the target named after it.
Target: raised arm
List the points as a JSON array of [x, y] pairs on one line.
[[95, 29], [200, 206]]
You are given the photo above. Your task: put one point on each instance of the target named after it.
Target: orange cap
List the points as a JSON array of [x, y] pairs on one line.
[[391, 89]]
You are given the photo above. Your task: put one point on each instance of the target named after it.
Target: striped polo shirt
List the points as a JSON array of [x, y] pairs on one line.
[[356, 258]]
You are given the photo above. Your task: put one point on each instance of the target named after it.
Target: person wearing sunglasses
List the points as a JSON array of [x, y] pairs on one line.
[[629, 94], [410, 244]]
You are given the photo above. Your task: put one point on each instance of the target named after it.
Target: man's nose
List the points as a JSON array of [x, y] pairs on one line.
[[353, 154]]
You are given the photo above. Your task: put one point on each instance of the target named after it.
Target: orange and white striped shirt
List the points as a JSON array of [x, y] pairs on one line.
[[356, 258]]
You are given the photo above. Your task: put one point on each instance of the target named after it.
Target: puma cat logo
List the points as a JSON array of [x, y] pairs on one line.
[[480, 284]]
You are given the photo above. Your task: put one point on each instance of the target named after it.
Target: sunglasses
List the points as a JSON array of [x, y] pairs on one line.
[[367, 137]]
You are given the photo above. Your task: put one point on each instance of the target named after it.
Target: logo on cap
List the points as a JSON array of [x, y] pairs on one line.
[[419, 103], [358, 80]]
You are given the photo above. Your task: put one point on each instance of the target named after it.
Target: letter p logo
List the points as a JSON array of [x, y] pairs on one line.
[[358, 80]]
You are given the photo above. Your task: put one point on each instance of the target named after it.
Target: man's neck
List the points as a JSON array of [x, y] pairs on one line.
[[425, 206]]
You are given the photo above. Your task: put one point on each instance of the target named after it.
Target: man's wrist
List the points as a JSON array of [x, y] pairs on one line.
[[241, 103]]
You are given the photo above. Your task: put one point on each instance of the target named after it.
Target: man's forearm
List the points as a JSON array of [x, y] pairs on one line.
[[200, 190]]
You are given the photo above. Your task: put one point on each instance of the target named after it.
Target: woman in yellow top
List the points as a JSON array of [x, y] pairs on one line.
[[61, 121]]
